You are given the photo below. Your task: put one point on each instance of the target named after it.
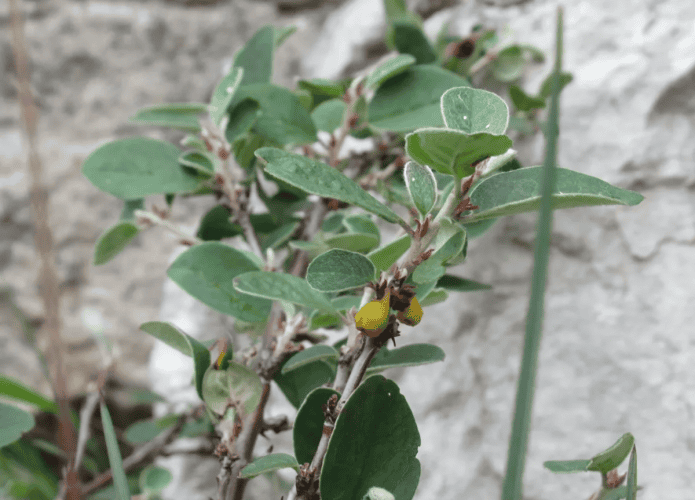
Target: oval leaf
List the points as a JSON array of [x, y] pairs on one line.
[[408, 355], [202, 162], [144, 431], [13, 423], [186, 344], [524, 102], [206, 272], [509, 64], [14, 389], [451, 151], [566, 466], [115, 461], [410, 39], [608, 460], [456, 284], [279, 286], [374, 443], [154, 479], [473, 110], [136, 167], [319, 352], [386, 256], [269, 463], [389, 68], [183, 116], [518, 191], [308, 426], [256, 56], [421, 185], [318, 178], [113, 241], [328, 115], [223, 94], [297, 384], [338, 270], [237, 384]]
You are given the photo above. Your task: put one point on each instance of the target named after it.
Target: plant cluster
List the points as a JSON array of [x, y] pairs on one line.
[[311, 258]]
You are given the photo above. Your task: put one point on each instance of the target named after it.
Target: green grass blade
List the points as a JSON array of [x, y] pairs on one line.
[[632, 476], [518, 442], [119, 480]]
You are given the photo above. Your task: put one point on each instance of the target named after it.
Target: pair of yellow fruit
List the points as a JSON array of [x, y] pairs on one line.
[[374, 316]]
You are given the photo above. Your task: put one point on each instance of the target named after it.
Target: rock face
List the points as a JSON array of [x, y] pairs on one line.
[[618, 346]]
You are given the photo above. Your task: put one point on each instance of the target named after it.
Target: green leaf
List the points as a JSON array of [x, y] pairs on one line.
[[477, 229], [453, 152], [408, 355], [386, 256], [449, 242], [113, 241], [632, 476], [512, 488], [328, 115], [318, 178], [338, 270], [297, 384], [473, 111], [115, 461], [509, 64], [279, 236], [361, 224], [524, 102], [410, 100], [202, 162], [279, 286], [180, 116], [282, 33], [518, 191], [566, 466], [206, 272], [223, 95], [421, 185], [353, 242], [144, 431], [565, 79], [183, 343], [428, 272], [318, 352], [389, 68], [136, 167], [13, 423], [14, 389], [308, 425], [256, 57], [434, 297], [129, 208], [456, 284], [611, 458], [282, 118], [410, 39], [615, 493], [374, 443], [215, 225], [376, 493], [321, 89], [242, 117], [154, 479], [237, 383], [269, 463]]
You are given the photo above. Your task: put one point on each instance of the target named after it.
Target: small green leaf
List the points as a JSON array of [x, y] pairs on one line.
[[456, 284], [389, 68], [319, 352], [144, 431], [410, 39], [318, 178], [14, 389], [13, 423], [565, 79], [242, 117], [279, 286], [206, 272], [632, 476], [410, 100], [223, 95], [238, 384], [408, 355], [428, 272], [215, 225], [615, 493], [256, 57], [321, 89], [115, 460], [608, 460], [338, 270], [449, 242], [297, 384], [282, 33], [202, 162], [135, 167], [509, 64], [328, 115], [182, 116], [374, 443], [451, 151], [421, 186], [434, 297], [308, 425], [524, 102], [473, 111], [154, 479], [353, 242], [386, 256], [129, 208], [566, 466], [269, 463], [113, 241], [183, 343], [518, 191], [361, 224]]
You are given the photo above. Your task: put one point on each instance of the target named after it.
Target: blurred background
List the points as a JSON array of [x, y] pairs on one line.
[[619, 343]]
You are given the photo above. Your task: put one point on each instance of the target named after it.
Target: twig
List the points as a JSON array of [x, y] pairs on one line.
[[85, 420], [152, 218], [49, 287]]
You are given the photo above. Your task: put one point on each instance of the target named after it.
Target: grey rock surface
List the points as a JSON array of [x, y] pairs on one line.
[[619, 345]]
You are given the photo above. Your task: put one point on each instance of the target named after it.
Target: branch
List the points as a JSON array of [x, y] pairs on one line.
[[147, 217]]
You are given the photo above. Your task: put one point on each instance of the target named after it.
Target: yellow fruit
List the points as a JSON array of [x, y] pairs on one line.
[[374, 316], [413, 314]]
